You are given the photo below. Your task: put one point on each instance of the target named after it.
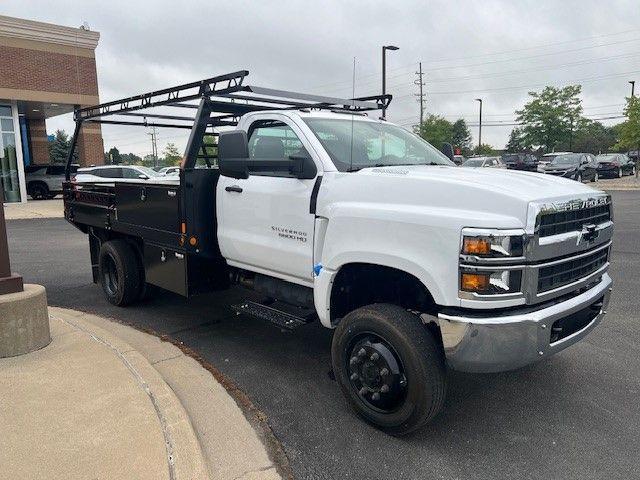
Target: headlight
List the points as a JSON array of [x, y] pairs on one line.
[[490, 282], [492, 244]]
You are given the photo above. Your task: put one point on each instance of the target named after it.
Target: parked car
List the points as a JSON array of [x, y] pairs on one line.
[[122, 173], [520, 161], [547, 158], [45, 181], [459, 159], [169, 171], [615, 165], [480, 162], [577, 166]]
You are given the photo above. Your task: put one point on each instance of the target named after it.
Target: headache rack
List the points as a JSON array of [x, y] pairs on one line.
[[222, 100]]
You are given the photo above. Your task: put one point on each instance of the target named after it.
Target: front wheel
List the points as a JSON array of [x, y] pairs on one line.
[[390, 368]]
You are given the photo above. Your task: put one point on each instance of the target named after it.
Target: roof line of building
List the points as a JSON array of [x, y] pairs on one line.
[[46, 32]]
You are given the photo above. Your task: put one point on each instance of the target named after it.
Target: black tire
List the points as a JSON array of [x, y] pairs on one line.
[[415, 385], [119, 273], [38, 191]]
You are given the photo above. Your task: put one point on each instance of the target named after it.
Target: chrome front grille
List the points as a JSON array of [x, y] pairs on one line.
[[564, 273], [554, 223]]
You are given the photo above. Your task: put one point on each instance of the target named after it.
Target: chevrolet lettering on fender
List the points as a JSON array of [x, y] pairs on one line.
[[331, 214]]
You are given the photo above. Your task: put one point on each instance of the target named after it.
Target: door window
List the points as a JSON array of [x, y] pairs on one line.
[[110, 172], [270, 139]]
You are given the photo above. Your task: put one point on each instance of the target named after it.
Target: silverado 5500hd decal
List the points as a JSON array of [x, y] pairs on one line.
[[290, 233]]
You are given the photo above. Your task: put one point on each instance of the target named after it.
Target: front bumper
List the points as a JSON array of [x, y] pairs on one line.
[[485, 343]]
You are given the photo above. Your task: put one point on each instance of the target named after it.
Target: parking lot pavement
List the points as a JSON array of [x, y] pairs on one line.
[[617, 184], [574, 416]]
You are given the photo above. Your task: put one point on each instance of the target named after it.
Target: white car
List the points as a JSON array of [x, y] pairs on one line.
[[547, 158], [167, 171], [484, 162], [109, 174]]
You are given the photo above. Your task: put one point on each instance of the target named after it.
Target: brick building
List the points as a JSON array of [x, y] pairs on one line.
[[45, 70]]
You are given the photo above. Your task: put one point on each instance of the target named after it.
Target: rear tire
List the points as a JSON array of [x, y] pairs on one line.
[[382, 337], [119, 273], [38, 191]]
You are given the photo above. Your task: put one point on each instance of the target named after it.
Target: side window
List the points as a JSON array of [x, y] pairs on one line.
[[130, 173], [270, 139], [111, 172]]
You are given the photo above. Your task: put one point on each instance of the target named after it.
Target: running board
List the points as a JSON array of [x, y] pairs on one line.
[[278, 317]]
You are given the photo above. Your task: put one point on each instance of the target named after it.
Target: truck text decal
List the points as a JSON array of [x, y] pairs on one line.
[[285, 232]]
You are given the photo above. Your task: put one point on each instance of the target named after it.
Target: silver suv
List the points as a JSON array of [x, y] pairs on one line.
[[45, 181]]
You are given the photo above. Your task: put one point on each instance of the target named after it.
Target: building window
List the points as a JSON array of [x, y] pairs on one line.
[[8, 159]]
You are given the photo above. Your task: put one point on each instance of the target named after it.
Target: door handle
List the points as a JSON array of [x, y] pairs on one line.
[[233, 188]]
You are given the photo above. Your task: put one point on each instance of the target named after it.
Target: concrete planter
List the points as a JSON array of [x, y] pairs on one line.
[[24, 321]]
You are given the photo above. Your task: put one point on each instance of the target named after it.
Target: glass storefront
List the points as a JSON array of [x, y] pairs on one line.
[[8, 159]]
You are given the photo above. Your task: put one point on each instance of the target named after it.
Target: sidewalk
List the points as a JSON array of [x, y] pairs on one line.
[[34, 209], [105, 401]]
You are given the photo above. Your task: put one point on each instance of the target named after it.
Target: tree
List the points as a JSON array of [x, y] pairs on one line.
[[516, 143], [461, 136], [59, 148], [484, 149], [436, 130], [114, 156], [551, 117], [171, 155], [130, 159], [629, 138], [592, 137]]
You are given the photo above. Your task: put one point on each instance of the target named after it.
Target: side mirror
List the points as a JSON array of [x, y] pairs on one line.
[[142, 176], [303, 167], [447, 149], [233, 151]]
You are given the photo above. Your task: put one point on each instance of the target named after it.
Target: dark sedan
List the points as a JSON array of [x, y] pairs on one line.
[[577, 166], [615, 165], [520, 161]]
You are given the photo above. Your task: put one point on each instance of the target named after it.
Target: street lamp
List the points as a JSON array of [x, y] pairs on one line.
[[633, 87], [480, 123], [384, 72]]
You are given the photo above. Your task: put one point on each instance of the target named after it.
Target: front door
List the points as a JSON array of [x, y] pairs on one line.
[[264, 222]]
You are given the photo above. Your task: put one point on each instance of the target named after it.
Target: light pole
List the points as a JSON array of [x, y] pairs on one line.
[[480, 123], [633, 87], [384, 72]]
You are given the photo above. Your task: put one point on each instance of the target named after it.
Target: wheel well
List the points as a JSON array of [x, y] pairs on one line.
[[97, 236], [360, 284], [31, 183]]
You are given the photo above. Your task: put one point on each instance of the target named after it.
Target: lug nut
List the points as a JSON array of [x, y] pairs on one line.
[[374, 356], [362, 391], [354, 376], [362, 352], [354, 360], [384, 388], [384, 372], [375, 397]]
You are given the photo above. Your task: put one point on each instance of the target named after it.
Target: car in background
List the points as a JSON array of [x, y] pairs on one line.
[[520, 161], [484, 162], [577, 166], [121, 173], [615, 165], [547, 158], [169, 171], [45, 181], [459, 159]]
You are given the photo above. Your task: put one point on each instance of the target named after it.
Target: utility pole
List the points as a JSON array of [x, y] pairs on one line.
[[384, 72], [633, 87], [480, 123], [154, 145], [418, 81]]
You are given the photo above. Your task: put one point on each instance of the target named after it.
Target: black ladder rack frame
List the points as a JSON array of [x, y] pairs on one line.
[[223, 99]]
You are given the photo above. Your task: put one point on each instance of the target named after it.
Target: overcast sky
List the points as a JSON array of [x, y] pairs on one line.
[[490, 49]]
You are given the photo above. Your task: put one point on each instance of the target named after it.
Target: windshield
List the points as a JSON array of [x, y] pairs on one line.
[[475, 162], [566, 160], [607, 158], [372, 144], [149, 172]]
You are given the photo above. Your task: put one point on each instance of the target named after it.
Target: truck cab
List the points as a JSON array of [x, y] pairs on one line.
[[336, 216]]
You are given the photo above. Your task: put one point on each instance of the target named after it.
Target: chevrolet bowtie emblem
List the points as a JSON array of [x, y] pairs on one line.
[[589, 232]]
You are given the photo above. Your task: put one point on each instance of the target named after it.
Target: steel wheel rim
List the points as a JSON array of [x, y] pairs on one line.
[[376, 373], [110, 275]]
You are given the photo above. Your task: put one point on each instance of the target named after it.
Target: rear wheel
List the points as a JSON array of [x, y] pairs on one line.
[[38, 191], [119, 273], [389, 367]]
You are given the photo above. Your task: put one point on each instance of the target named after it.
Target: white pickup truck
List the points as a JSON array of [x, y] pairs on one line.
[[335, 216]]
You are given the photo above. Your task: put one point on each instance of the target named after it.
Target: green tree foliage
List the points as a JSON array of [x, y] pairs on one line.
[[590, 136], [550, 117], [59, 148], [130, 159], [461, 136], [436, 130], [516, 142], [484, 149], [172, 155], [629, 131], [114, 156]]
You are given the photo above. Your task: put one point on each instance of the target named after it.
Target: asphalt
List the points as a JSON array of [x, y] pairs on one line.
[[574, 416]]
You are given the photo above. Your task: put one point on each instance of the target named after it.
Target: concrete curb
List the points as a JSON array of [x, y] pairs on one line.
[[208, 433]]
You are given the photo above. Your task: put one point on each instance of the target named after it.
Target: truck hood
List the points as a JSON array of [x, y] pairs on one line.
[[497, 198]]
